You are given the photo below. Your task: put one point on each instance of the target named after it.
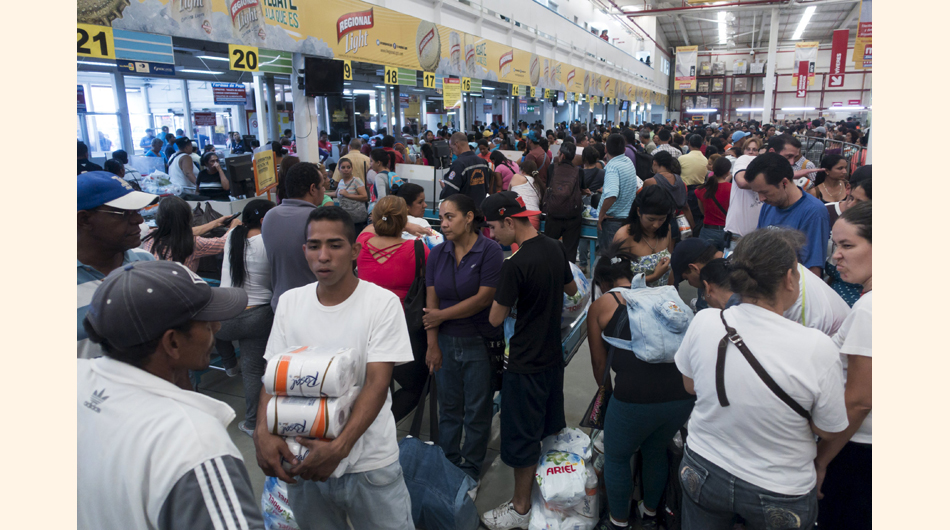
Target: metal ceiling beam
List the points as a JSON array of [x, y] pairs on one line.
[[682, 27], [851, 16], [760, 4]]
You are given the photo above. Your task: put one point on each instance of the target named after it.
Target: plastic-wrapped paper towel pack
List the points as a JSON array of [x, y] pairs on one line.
[[312, 417], [311, 372]]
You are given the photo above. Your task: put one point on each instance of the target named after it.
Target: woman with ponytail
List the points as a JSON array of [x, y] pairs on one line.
[[743, 437], [649, 403], [527, 185], [246, 266], [506, 168]]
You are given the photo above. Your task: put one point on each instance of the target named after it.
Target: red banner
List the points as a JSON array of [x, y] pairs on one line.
[[207, 119], [839, 57], [802, 79]]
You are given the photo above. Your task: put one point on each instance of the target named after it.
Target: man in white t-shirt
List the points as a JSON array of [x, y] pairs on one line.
[[356, 476], [744, 204]]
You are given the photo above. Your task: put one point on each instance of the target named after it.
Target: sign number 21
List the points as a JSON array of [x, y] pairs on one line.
[[94, 41]]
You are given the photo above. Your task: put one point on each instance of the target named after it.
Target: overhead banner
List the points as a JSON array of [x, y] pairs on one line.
[[686, 57], [802, 77], [348, 30], [806, 51], [839, 58], [862, 44]]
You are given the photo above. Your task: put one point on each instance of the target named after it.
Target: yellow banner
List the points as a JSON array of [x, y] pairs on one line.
[[349, 30], [862, 53], [451, 92], [265, 174]]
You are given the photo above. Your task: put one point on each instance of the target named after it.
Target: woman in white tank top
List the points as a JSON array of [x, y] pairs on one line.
[[528, 188]]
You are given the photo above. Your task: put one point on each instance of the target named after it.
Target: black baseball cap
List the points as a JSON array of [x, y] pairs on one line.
[[686, 252], [138, 302], [505, 204]]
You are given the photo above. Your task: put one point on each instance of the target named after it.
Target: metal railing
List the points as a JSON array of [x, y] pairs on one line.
[[815, 148]]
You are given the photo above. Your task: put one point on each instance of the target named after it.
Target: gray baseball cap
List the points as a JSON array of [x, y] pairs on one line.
[[138, 302]]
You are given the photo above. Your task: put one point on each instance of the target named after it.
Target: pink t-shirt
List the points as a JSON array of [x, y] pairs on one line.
[[398, 267], [506, 173]]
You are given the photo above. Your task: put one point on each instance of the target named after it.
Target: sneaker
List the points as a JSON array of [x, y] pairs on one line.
[[234, 371], [474, 491], [505, 517], [243, 428]]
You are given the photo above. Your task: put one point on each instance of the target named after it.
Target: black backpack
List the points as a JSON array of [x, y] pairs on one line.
[[562, 198], [644, 165]]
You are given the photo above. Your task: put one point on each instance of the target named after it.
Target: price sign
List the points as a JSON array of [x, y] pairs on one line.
[[514, 90], [243, 58], [347, 70], [466, 84], [428, 80], [94, 41], [392, 75]]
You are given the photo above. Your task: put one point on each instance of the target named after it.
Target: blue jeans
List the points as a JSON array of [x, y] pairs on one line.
[[712, 497], [607, 233], [251, 329], [649, 428], [715, 236], [372, 499], [465, 400]]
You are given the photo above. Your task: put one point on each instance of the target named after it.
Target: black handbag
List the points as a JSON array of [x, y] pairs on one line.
[[206, 215], [415, 301]]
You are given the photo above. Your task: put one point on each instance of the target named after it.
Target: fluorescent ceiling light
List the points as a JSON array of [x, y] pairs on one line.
[[213, 58], [701, 111], [487, 88], [347, 84], [191, 71], [804, 22], [378, 86], [94, 63], [722, 27], [846, 108], [750, 109], [798, 108]]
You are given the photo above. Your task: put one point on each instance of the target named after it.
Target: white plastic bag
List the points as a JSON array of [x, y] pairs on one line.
[[562, 478], [569, 440], [575, 305], [276, 506]]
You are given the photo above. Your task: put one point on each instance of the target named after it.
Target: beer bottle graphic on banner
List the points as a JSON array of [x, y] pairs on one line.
[[247, 17], [193, 14]]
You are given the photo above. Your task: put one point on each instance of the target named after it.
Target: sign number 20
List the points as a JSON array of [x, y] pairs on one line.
[[243, 57]]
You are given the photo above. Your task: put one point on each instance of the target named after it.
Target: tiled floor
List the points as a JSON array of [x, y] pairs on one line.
[[497, 483]]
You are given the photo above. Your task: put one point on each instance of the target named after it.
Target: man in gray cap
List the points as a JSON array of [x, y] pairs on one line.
[[151, 454]]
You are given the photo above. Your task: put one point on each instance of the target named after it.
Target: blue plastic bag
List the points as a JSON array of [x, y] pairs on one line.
[[437, 488]]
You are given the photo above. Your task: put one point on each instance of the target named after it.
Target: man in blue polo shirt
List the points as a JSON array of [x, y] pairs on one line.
[[621, 185], [109, 231], [772, 178]]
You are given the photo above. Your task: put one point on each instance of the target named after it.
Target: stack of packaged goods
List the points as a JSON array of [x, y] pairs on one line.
[[566, 495], [314, 394]]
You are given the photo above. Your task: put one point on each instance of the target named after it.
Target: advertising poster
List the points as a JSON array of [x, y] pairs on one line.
[[862, 44], [806, 51], [686, 57], [839, 58], [265, 174]]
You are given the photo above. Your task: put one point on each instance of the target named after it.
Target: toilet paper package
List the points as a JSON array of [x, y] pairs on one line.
[[313, 417], [310, 372]]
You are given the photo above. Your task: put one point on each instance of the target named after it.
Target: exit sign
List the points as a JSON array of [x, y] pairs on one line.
[[531, 108]]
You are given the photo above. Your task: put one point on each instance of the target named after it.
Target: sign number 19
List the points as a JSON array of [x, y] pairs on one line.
[[94, 41]]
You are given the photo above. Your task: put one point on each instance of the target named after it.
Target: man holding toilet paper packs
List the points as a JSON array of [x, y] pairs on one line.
[[356, 475]]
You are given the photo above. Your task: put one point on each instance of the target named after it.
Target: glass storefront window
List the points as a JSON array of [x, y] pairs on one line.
[[104, 136]]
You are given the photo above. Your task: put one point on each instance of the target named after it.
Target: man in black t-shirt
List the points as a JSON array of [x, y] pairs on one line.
[[469, 174], [84, 165], [532, 397]]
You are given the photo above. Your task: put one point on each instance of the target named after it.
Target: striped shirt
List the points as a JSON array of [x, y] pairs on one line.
[[88, 280], [204, 247], [620, 181]]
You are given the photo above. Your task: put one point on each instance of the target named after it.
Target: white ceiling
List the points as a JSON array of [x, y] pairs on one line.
[[829, 15]]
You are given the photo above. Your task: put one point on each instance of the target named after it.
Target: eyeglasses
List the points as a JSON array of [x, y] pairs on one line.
[[128, 215]]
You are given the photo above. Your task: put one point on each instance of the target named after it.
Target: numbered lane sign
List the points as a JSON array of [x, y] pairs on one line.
[[428, 80], [94, 41], [466, 84], [347, 70], [244, 58], [392, 75]]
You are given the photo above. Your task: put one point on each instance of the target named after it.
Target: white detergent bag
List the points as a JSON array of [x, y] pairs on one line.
[[562, 478], [311, 372], [275, 506], [313, 417]]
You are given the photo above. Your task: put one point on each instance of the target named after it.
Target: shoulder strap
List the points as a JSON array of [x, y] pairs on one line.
[[428, 390], [733, 336], [420, 259], [718, 204]]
